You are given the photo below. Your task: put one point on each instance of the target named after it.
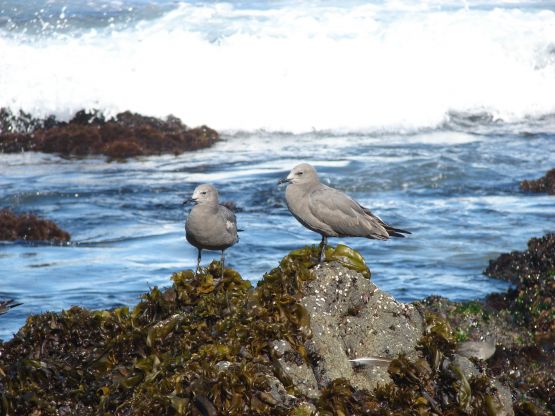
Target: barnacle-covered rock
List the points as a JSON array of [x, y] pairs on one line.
[[533, 271], [351, 318]]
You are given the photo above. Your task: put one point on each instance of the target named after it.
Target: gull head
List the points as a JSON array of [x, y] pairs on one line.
[[302, 173], [204, 193]]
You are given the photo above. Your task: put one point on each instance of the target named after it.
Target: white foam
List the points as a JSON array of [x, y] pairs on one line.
[[294, 68]]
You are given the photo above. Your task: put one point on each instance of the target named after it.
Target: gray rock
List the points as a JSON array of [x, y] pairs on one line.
[[222, 366], [350, 318], [466, 366], [302, 375], [505, 399], [278, 393]]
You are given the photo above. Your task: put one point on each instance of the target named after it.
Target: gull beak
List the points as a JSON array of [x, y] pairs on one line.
[[188, 201], [284, 180]]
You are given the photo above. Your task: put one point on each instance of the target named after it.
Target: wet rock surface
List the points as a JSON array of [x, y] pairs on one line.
[[545, 184], [212, 345], [90, 133], [29, 227]]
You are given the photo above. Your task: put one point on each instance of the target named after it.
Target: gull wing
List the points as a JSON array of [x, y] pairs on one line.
[[343, 214], [230, 219]]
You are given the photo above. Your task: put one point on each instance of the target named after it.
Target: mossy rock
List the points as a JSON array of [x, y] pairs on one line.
[[342, 254], [204, 346]]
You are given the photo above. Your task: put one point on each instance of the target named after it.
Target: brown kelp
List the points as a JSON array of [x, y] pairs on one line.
[[199, 347], [90, 132], [544, 184], [29, 227]]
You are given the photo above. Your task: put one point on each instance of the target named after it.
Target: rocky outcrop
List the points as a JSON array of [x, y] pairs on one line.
[[29, 227], [90, 133], [351, 318], [533, 273], [521, 267], [521, 321], [545, 184], [213, 345]]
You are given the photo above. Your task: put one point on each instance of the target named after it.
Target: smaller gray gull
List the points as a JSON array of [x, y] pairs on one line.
[[209, 225], [329, 212]]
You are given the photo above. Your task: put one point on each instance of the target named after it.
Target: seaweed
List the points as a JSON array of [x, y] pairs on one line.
[[544, 184], [522, 319], [29, 227], [205, 346], [201, 346], [533, 273], [91, 133]]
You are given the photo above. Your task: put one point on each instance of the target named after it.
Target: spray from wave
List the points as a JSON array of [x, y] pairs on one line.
[[291, 68]]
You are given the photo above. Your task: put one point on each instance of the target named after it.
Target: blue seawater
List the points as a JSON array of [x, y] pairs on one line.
[[428, 113]]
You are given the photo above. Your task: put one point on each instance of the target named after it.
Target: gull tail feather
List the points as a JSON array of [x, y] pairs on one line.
[[396, 232], [391, 231]]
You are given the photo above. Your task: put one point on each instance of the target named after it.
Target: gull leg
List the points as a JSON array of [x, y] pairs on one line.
[[198, 260], [223, 260], [323, 245]]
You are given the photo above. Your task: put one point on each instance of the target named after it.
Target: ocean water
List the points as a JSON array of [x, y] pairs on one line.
[[429, 113]]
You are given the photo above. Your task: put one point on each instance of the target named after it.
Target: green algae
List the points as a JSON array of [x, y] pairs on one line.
[[346, 256], [472, 308]]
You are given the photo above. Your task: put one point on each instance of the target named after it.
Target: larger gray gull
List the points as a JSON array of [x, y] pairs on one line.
[[329, 212], [209, 225]]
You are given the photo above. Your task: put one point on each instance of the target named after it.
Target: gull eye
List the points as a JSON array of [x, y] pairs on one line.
[[299, 173], [204, 193]]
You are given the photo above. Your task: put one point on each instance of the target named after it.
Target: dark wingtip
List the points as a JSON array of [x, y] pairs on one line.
[[397, 232], [5, 306]]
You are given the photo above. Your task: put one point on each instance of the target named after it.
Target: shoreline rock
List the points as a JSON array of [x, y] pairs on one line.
[[29, 227], [90, 133], [522, 320], [533, 272], [544, 184], [212, 344]]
